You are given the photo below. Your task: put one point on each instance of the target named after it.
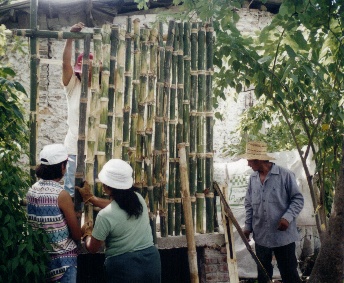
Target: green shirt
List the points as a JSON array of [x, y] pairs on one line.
[[123, 235]]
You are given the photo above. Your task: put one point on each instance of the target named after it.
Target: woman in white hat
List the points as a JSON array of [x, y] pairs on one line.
[[123, 225], [50, 207]]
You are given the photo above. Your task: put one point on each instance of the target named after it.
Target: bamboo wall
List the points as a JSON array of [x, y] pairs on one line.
[[150, 91]]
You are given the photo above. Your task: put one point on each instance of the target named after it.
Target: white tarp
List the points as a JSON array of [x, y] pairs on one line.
[[235, 175]]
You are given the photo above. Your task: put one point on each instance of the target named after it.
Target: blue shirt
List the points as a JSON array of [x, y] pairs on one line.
[[265, 204]]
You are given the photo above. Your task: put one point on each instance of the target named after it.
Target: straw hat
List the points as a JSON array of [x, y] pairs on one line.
[[256, 150]]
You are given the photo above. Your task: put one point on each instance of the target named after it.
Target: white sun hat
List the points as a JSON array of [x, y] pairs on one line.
[[53, 154], [256, 150], [117, 174]]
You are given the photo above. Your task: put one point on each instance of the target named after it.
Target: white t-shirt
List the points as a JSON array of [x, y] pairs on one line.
[[73, 92]]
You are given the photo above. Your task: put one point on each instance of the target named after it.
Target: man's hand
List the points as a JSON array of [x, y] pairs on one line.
[[247, 234], [283, 225], [85, 192], [77, 27]]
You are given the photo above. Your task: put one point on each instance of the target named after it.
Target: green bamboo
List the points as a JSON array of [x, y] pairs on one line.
[[80, 169], [93, 121], [172, 141], [127, 91], [152, 75], [140, 139], [210, 200], [166, 98], [200, 131], [159, 121], [34, 89], [134, 101], [103, 101], [119, 96], [186, 106], [193, 111], [114, 39]]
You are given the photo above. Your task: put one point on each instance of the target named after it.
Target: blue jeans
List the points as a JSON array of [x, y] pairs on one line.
[[69, 276], [69, 177]]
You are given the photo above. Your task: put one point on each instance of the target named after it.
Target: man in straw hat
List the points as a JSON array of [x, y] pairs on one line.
[[272, 203]]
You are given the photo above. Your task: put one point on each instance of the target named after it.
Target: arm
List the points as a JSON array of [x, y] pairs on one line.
[[92, 244], [99, 202], [66, 205], [248, 211], [296, 200], [67, 68], [87, 196]]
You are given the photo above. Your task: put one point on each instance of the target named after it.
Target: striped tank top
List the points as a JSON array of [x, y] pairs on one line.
[[43, 211]]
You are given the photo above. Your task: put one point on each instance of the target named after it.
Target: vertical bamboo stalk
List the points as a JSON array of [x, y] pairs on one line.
[[180, 97], [190, 234], [186, 105], [193, 111], [127, 91], [159, 121], [34, 84], [80, 169], [172, 140], [210, 205], [140, 140], [103, 101], [114, 39], [119, 96], [166, 98], [200, 130], [134, 102], [149, 127], [93, 121]]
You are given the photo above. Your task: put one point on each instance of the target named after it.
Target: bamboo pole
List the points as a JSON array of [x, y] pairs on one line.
[[149, 127], [92, 122], [134, 97], [166, 98], [114, 39], [229, 239], [34, 89], [186, 105], [119, 96], [103, 101], [210, 204], [193, 111], [180, 97], [190, 234], [127, 91], [159, 121], [80, 169], [171, 216], [34, 33], [140, 140]]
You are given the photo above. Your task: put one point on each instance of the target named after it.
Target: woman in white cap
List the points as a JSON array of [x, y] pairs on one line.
[[123, 225], [50, 207]]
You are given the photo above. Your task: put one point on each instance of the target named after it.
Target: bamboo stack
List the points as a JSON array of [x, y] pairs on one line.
[[145, 105]]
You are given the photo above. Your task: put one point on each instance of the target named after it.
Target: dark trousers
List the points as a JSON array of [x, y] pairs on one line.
[[286, 262]]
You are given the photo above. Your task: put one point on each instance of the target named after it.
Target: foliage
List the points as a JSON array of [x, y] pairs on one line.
[[22, 258], [295, 65]]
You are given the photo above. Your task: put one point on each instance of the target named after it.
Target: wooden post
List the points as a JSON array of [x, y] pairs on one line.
[[229, 238], [190, 234]]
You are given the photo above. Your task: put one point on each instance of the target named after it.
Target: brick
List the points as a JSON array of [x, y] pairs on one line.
[[211, 268]]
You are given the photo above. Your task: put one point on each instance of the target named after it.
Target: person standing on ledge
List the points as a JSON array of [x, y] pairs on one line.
[[71, 79], [272, 203]]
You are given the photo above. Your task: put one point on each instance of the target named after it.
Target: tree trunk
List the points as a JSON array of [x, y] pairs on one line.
[[329, 265]]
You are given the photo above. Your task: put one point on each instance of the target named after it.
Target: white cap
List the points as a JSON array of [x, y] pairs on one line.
[[117, 174], [53, 154]]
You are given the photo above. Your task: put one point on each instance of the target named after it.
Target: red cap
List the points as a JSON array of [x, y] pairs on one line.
[[78, 64]]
